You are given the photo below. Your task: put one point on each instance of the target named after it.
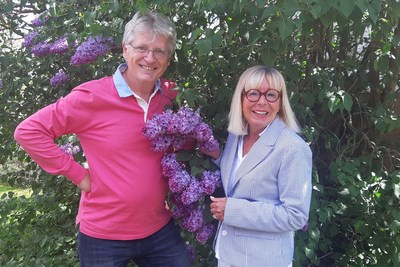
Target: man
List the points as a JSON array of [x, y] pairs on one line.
[[122, 214]]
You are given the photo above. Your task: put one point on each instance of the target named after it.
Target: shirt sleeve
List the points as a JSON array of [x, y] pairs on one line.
[[37, 135]]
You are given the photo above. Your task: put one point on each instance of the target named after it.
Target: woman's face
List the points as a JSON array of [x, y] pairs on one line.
[[261, 113], [146, 63]]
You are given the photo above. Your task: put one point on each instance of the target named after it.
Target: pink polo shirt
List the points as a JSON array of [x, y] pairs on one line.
[[127, 197]]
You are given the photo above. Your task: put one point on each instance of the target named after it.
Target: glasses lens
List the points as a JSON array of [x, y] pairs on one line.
[[272, 95], [159, 53], [141, 49], [253, 95]]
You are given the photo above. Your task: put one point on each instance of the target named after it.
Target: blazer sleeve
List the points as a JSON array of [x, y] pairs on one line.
[[290, 209]]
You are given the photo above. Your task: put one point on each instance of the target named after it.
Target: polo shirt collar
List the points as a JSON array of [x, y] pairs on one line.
[[121, 85]]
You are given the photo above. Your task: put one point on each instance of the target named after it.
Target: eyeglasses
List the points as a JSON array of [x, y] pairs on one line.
[[157, 52], [271, 95]]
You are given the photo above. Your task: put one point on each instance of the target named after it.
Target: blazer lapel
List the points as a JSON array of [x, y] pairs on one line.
[[260, 150]]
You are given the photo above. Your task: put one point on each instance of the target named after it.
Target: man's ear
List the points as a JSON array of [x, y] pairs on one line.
[[124, 51]]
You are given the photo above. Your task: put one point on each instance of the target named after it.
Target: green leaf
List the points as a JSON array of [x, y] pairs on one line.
[[268, 55], [346, 7], [184, 155], [316, 10], [314, 234], [204, 46], [286, 27], [268, 11], [309, 252], [362, 4], [374, 8], [347, 101]]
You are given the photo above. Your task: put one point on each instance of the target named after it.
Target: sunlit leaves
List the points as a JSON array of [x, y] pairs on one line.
[[339, 100]]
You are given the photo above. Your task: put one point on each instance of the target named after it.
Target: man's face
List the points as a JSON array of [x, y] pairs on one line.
[[147, 58]]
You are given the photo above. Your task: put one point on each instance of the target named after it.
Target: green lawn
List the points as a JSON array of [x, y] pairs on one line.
[[4, 188]]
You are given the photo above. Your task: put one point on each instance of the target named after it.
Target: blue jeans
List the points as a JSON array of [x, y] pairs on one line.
[[163, 248]]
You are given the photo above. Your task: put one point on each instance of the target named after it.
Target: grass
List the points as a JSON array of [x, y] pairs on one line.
[[4, 188]]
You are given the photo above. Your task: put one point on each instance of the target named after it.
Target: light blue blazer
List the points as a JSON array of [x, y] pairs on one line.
[[269, 200]]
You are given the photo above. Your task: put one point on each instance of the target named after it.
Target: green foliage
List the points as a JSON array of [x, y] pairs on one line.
[[341, 62]]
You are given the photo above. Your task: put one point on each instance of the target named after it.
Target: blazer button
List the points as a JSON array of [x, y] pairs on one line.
[[224, 232]]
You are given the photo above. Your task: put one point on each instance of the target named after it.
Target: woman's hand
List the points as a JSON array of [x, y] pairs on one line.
[[85, 184], [214, 154], [217, 207]]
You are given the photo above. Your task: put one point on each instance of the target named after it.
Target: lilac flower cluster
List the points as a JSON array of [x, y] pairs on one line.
[[45, 48], [70, 149], [91, 49], [59, 47], [169, 132], [41, 49], [1, 84], [37, 22], [59, 78], [29, 39], [173, 130], [190, 218]]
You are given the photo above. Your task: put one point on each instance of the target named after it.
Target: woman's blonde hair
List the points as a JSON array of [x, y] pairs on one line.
[[252, 79]]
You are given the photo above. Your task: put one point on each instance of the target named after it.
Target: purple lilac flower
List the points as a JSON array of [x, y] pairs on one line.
[[179, 181], [210, 181], [37, 22], [1, 84], [59, 78], [163, 142], [188, 120], [170, 165], [178, 142], [155, 131], [180, 210], [192, 193], [174, 199], [210, 145], [202, 132], [305, 228], [60, 46], [192, 252], [204, 233], [41, 49], [91, 49], [29, 39], [194, 221], [69, 149]]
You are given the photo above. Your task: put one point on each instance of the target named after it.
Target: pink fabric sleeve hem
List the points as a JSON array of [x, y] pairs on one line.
[[75, 173]]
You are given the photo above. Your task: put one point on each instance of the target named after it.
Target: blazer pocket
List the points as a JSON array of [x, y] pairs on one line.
[[255, 234]]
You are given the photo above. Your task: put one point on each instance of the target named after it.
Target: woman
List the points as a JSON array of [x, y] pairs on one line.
[[266, 175]]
